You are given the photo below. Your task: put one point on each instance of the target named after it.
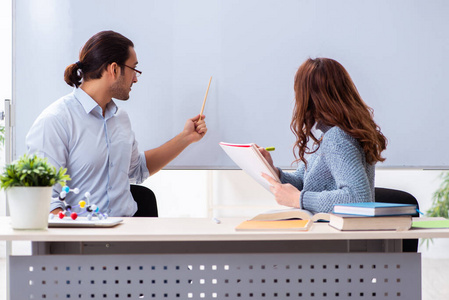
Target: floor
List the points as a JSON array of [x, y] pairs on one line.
[[435, 278]]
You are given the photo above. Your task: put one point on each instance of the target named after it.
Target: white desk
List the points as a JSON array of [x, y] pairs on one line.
[[198, 259]]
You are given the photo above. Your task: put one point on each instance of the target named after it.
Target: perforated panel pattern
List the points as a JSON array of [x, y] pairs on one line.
[[217, 276]]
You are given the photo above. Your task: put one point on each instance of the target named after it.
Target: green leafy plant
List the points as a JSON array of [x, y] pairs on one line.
[[32, 170], [440, 203], [440, 200]]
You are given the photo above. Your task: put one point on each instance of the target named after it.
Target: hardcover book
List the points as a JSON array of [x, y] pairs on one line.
[[354, 222], [375, 209]]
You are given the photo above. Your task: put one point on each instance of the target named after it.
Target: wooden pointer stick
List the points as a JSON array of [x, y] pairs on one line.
[[205, 97]]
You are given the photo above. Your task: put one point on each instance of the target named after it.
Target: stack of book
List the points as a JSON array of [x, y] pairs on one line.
[[372, 216]]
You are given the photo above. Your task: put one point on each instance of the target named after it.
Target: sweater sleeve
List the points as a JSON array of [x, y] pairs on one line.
[[295, 178], [346, 162]]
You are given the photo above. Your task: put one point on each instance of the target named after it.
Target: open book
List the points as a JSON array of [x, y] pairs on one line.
[[250, 160], [300, 219], [290, 213], [291, 219]]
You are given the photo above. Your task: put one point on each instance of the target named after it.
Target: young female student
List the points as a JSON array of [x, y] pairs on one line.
[[338, 167]]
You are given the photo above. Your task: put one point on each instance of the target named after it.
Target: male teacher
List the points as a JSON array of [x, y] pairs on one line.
[[89, 135]]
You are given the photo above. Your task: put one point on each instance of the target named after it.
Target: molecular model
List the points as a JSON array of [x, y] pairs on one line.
[[91, 210]]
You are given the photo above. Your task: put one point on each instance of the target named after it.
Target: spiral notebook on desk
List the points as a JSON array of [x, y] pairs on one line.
[[250, 160], [84, 222]]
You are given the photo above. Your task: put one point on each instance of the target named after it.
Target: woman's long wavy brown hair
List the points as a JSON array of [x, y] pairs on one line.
[[325, 93]]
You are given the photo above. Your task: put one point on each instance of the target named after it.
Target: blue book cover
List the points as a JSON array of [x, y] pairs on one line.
[[375, 209]]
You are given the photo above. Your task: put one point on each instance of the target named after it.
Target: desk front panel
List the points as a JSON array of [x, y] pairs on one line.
[[218, 276]]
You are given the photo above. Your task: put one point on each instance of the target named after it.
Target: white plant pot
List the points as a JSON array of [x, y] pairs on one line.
[[29, 206]]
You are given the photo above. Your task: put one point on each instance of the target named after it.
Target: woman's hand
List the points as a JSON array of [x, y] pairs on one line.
[[268, 158], [285, 194]]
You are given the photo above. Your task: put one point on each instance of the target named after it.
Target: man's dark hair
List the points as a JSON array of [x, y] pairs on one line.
[[99, 51]]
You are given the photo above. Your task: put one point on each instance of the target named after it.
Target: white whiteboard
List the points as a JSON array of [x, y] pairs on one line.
[[396, 52]]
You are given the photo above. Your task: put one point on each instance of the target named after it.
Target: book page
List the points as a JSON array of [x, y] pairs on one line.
[[284, 214], [249, 159]]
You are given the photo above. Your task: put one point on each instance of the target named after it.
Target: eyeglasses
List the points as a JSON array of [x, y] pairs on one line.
[[137, 72]]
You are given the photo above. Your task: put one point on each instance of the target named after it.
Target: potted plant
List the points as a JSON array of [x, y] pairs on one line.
[[28, 182]]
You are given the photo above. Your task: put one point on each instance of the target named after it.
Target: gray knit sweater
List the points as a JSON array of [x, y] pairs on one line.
[[336, 173]]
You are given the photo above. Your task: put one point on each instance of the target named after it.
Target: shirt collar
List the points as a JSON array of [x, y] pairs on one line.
[[89, 104]]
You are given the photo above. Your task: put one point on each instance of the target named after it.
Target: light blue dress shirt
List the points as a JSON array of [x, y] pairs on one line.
[[100, 153]]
